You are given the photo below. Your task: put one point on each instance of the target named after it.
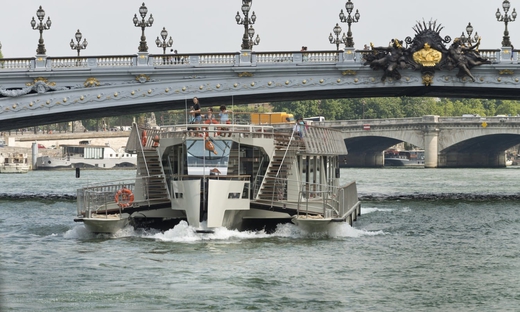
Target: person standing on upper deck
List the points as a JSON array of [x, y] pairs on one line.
[[196, 111]]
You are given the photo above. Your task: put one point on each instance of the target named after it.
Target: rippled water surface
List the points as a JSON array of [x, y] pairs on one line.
[[427, 240]]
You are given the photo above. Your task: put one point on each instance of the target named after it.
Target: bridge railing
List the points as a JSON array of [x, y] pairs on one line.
[[211, 59], [18, 64]]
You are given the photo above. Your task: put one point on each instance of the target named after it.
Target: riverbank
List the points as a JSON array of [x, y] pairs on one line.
[[22, 143]]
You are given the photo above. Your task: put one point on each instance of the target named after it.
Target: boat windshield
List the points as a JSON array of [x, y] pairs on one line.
[[203, 157]]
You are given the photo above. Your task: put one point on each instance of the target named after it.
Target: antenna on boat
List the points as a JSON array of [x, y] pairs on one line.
[[186, 109], [232, 109]]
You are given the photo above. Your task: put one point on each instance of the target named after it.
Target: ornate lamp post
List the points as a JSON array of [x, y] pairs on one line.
[[41, 27], [79, 45], [164, 44], [249, 31], [349, 19], [506, 18], [143, 10], [469, 40], [337, 41]]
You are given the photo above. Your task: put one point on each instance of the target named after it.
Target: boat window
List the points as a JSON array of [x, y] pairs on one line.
[[233, 195], [245, 191]]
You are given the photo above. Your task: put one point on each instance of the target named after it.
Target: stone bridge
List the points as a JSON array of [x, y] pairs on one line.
[[447, 141], [44, 90]]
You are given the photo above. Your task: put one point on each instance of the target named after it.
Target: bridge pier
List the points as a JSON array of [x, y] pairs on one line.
[[473, 160], [431, 140], [363, 160]]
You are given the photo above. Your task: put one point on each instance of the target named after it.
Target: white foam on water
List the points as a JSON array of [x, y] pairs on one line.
[[337, 230], [78, 232], [371, 210], [184, 233]]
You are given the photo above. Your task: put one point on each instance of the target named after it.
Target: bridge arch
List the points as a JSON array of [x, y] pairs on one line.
[[447, 141], [480, 151]]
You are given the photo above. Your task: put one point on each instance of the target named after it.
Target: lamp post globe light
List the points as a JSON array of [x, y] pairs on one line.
[[41, 26], [506, 18], [78, 46], [349, 19], [337, 41], [143, 23], [249, 31], [164, 44], [469, 40]]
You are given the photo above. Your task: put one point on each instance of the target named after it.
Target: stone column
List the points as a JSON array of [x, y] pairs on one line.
[[349, 55], [506, 55], [431, 141], [245, 57], [142, 58], [40, 62]]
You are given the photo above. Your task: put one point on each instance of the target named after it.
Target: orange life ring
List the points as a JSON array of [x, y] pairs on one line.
[[124, 197], [144, 138]]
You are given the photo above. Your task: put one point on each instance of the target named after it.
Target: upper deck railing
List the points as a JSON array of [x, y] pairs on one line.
[[42, 63]]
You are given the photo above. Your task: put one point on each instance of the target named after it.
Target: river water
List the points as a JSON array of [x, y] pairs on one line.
[[427, 240]]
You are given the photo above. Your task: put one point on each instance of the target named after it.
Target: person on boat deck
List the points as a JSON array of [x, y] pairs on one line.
[[195, 116], [299, 127], [224, 118], [224, 115], [195, 111], [210, 118]]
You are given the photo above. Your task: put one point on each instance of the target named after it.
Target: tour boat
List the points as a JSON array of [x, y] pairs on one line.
[[87, 156], [244, 177], [14, 163]]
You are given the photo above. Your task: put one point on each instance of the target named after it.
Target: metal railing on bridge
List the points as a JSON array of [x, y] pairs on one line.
[[206, 59]]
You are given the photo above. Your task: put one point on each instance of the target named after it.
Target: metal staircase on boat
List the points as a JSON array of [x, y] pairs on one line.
[[274, 187], [149, 166]]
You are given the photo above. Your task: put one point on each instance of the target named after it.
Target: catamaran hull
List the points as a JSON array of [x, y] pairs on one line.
[[108, 225]]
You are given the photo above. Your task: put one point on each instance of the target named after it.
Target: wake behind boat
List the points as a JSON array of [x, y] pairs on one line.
[[245, 177]]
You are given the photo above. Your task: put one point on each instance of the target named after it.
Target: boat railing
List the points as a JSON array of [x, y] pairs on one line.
[[257, 182], [103, 198], [216, 130], [337, 201]]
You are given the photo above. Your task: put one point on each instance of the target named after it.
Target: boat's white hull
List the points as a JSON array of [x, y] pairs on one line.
[[15, 169], [109, 224], [312, 225]]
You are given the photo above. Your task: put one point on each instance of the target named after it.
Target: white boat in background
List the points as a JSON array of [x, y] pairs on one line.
[[88, 157], [415, 158], [244, 177], [14, 163]]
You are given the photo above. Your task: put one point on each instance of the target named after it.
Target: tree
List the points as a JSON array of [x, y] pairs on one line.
[[508, 107]]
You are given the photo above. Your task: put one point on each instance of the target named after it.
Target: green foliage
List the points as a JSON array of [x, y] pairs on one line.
[[334, 109], [375, 108]]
